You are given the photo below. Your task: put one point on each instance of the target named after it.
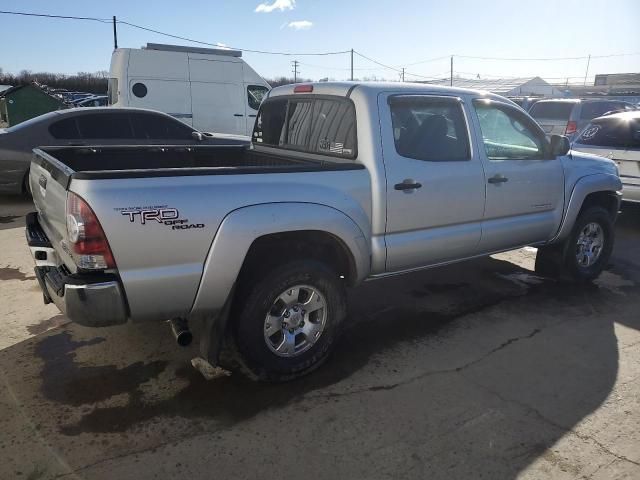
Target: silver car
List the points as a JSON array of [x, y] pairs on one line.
[[91, 126], [616, 137], [568, 116]]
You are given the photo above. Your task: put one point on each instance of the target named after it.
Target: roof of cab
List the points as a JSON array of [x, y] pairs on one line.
[[629, 115], [344, 89]]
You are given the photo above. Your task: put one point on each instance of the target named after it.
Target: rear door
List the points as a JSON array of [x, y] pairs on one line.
[[434, 181], [524, 191], [552, 116]]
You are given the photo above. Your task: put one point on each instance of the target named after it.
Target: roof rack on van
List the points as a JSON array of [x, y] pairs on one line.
[[182, 48]]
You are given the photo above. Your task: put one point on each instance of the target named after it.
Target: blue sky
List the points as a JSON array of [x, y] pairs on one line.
[[397, 33]]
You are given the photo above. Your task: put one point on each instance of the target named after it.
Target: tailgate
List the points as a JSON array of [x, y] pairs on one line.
[[49, 180]]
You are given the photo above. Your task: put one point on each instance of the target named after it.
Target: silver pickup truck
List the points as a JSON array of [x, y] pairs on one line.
[[343, 183]]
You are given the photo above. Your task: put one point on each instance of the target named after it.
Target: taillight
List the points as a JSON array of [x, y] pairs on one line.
[[89, 246], [572, 127]]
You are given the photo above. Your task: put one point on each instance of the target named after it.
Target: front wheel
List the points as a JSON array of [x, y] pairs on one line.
[[285, 324], [586, 251]]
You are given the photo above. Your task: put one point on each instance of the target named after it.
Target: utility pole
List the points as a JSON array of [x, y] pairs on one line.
[[295, 71], [115, 33], [587, 72], [403, 74], [352, 64], [451, 76]]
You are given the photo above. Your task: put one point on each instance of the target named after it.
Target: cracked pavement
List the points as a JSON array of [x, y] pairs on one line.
[[476, 370]]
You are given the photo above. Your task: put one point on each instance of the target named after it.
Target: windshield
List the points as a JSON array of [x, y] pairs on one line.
[[608, 132]]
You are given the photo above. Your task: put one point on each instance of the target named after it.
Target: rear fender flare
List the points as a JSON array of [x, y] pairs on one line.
[[242, 227]]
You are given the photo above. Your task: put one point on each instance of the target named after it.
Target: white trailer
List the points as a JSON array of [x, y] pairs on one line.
[[211, 89]]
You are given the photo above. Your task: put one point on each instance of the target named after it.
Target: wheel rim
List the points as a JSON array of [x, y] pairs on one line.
[[295, 321], [590, 244]]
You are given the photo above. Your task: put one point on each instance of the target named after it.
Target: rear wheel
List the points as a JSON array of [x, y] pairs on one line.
[[585, 252], [284, 326]]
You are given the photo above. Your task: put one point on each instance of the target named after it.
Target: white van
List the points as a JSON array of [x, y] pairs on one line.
[[211, 89]]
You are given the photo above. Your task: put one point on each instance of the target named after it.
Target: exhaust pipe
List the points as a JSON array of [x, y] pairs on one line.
[[181, 332]]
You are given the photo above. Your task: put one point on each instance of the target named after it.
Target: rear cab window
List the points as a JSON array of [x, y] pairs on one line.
[[552, 110], [312, 124]]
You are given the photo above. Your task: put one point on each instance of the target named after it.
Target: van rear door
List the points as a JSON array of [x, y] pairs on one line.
[[217, 95], [552, 116]]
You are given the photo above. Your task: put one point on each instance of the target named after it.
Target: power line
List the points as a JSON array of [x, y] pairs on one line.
[[377, 63], [427, 60], [265, 52], [26, 14]]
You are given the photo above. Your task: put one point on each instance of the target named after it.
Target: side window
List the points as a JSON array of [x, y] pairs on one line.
[[159, 127], [255, 94], [66, 129], [507, 133], [105, 126], [429, 129], [322, 126]]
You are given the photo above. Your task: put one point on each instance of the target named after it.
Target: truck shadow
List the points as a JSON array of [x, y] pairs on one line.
[[428, 340]]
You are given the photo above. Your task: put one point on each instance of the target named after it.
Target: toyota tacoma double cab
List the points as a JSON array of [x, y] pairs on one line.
[[342, 183]]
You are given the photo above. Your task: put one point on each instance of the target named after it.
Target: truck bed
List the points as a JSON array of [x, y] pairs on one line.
[[96, 162]]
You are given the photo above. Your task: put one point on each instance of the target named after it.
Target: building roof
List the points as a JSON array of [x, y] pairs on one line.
[[5, 87], [495, 85], [10, 90]]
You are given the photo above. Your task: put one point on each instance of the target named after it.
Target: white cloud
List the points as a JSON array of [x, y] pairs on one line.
[[281, 5], [300, 25]]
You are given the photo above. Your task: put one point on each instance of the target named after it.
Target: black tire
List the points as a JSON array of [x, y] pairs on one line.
[[255, 298], [561, 261]]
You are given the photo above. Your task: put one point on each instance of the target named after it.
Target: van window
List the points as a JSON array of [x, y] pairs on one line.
[[552, 110], [105, 126], [430, 129], [255, 94], [66, 129], [314, 125]]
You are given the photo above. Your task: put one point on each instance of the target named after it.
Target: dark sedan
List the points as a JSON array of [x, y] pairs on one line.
[[92, 126]]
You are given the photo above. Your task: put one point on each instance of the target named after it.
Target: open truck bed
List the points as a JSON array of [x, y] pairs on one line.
[[96, 162]]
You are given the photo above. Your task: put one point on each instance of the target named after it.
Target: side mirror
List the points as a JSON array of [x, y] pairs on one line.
[[197, 136], [559, 145]]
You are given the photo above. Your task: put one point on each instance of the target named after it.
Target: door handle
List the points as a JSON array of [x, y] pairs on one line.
[[407, 184], [238, 115], [498, 179]]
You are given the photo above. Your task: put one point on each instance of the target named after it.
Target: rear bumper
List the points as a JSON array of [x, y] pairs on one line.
[[92, 299]]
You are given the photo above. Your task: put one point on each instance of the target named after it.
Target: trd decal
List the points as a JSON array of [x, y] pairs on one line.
[[160, 214]]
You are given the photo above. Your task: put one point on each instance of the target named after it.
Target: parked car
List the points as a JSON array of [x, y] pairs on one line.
[[212, 89], [617, 137], [568, 116], [525, 102], [90, 126], [95, 101], [260, 243]]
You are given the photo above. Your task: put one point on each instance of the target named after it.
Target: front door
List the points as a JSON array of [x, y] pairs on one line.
[[435, 181], [525, 188]]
